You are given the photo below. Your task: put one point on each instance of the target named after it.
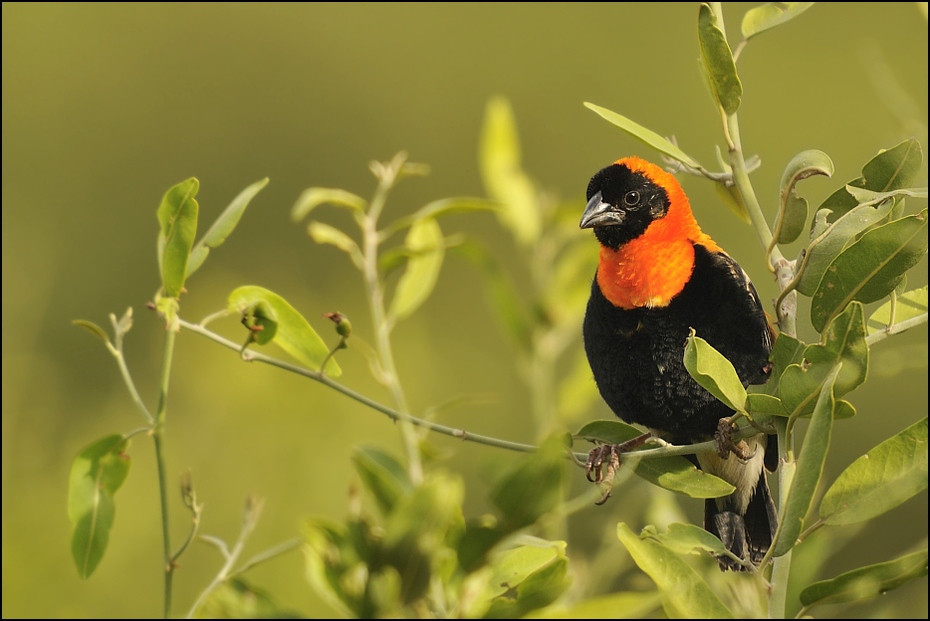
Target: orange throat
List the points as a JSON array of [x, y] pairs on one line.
[[649, 271]]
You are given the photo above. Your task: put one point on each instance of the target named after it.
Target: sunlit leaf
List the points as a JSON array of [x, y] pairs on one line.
[[810, 463], [97, 472], [620, 605], [323, 233], [871, 268], [718, 61], [867, 582], [272, 319], [880, 480], [425, 243], [540, 587], [792, 213], [93, 328], [312, 198], [685, 594], [714, 372], [687, 538], [503, 176], [177, 218], [646, 136], [761, 18], [223, 226], [906, 306]]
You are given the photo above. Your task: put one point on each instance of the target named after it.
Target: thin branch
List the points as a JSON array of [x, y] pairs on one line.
[[897, 328]]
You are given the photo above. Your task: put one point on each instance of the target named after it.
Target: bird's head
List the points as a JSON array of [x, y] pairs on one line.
[[628, 196]]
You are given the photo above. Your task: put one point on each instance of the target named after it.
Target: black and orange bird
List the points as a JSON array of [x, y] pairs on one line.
[[658, 277]]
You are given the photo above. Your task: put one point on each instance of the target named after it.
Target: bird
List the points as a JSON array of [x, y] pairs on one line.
[[658, 277]]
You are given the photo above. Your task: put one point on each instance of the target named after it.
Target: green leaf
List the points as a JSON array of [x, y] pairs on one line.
[[223, 226], [93, 328], [621, 605], [335, 570], [786, 351], [906, 306], [765, 405], [867, 581], [810, 463], [527, 578], [96, 473], [275, 320], [718, 62], [312, 198], [237, 599], [830, 239], [674, 473], [686, 539], [685, 594], [844, 342], [177, 218], [891, 169], [870, 268], [792, 213], [425, 243], [504, 179], [444, 207], [325, 234], [769, 15], [646, 136], [714, 372], [880, 480], [532, 486], [729, 195], [383, 476]]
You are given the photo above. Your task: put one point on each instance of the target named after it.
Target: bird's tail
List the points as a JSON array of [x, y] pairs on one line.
[[748, 536]]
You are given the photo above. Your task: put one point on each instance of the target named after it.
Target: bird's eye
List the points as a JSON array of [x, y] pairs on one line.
[[631, 199]]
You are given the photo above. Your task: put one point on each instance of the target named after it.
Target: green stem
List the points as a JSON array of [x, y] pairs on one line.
[[158, 432], [901, 326], [781, 565]]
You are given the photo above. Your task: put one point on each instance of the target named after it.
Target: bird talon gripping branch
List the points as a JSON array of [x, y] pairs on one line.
[[660, 275]]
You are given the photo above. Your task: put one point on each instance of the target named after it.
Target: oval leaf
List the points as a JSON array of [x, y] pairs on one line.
[[718, 62], [177, 218], [769, 15], [96, 473], [810, 463], [646, 136], [312, 198], [685, 593], [325, 234], [870, 268], [223, 226], [93, 328], [714, 372], [288, 328], [906, 306], [880, 480], [425, 244], [503, 176], [792, 213], [867, 581]]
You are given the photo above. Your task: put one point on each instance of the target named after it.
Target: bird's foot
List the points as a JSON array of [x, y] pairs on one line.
[[604, 462], [726, 445]]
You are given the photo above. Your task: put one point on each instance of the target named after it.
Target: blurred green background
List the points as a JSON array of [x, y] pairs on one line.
[[107, 105]]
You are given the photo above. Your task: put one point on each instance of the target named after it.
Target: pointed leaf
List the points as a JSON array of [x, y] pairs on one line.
[[97, 473], [867, 581], [532, 486], [674, 473], [383, 476], [714, 372], [685, 593], [810, 463], [718, 62], [443, 207], [880, 480], [792, 213], [537, 590], [312, 198], [688, 538], [325, 234], [425, 244], [93, 328], [731, 197], [832, 239], [769, 15], [223, 226], [177, 218], [906, 306], [844, 342], [646, 136], [870, 268], [279, 322], [503, 176]]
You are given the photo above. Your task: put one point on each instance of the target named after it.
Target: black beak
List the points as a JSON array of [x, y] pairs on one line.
[[599, 213]]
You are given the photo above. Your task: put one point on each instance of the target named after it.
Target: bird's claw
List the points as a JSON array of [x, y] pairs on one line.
[[725, 444], [601, 467]]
